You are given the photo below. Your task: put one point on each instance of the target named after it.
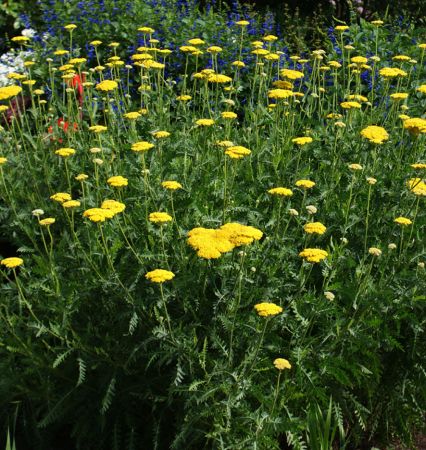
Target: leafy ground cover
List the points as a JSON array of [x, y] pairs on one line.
[[214, 246]]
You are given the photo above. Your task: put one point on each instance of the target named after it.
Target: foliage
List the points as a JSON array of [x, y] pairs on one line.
[[91, 348]]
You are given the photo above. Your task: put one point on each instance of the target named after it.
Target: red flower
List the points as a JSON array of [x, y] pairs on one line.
[[63, 125]]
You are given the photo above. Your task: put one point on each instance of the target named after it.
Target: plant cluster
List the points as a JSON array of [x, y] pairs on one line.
[[217, 245]]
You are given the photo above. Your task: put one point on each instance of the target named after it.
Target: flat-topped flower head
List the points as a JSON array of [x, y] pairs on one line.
[[146, 30], [374, 251], [60, 197], [404, 221], [242, 23], [3, 160], [355, 166], [359, 60], [350, 105], [107, 85], [267, 309], [218, 78], [204, 122], [237, 152], [415, 125], [305, 184], [159, 217], [282, 364], [12, 262], [98, 128], [281, 191], [422, 88], [132, 115], [161, 134], [65, 152], [8, 92], [314, 228], [418, 166], [214, 49], [159, 275], [71, 204], [70, 27], [228, 115], [183, 98], [291, 74], [142, 146], [82, 177], [392, 72], [98, 214], [171, 185], [341, 28], [47, 221], [375, 134], [313, 255], [417, 186], [280, 93], [303, 140], [397, 96], [117, 181]]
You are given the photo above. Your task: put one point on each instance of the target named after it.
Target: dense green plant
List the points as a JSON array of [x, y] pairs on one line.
[[94, 350]]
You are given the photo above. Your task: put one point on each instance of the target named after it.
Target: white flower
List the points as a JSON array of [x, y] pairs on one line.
[[28, 32]]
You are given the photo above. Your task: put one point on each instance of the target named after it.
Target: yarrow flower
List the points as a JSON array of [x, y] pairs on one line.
[[171, 185], [117, 181], [415, 125], [107, 85], [280, 93], [161, 134], [98, 214], [282, 364], [8, 92], [61, 197], [314, 228], [204, 122], [355, 166], [281, 191], [47, 221], [302, 140], [291, 74], [71, 204], [159, 275], [350, 105], [374, 251], [237, 152], [313, 255], [392, 72], [305, 184], [375, 134], [266, 309], [417, 186], [12, 262], [159, 217], [142, 146], [405, 221], [65, 152]]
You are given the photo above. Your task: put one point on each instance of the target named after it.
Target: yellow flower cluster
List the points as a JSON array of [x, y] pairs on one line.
[[280, 93], [159, 275], [405, 221], [237, 152], [302, 140], [204, 122], [65, 152], [108, 210], [142, 146], [12, 262], [281, 363], [392, 72], [266, 309], [98, 128], [305, 184], [211, 243], [61, 197], [315, 228], [375, 134], [171, 185], [159, 217], [417, 186], [281, 191], [107, 85], [117, 181], [415, 125], [8, 92], [313, 255], [291, 74]]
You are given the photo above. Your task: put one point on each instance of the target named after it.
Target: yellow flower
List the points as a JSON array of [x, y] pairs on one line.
[[171, 185], [335, 64], [281, 363], [305, 184], [314, 228], [415, 125], [224, 143], [204, 122], [3, 160], [70, 27], [20, 39], [291, 74], [280, 93], [48, 221], [281, 191], [146, 30], [214, 49], [391, 72], [95, 43], [399, 96], [238, 64], [209, 243], [65, 152], [242, 23], [403, 221], [61, 197], [371, 180], [422, 88], [12, 262], [183, 98], [71, 204], [8, 92], [98, 128], [133, 115], [401, 58], [375, 134], [241, 234], [260, 52], [60, 52], [350, 105], [229, 115], [341, 28], [107, 85], [117, 181], [196, 41], [77, 61], [302, 140], [266, 309], [237, 152], [113, 205], [142, 146], [270, 38], [377, 23], [334, 116], [418, 166], [313, 255], [97, 214], [161, 134], [355, 166], [374, 251], [417, 186], [159, 217], [159, 275], [357, 97], [218, 78], [359, 60], [81, 177]]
